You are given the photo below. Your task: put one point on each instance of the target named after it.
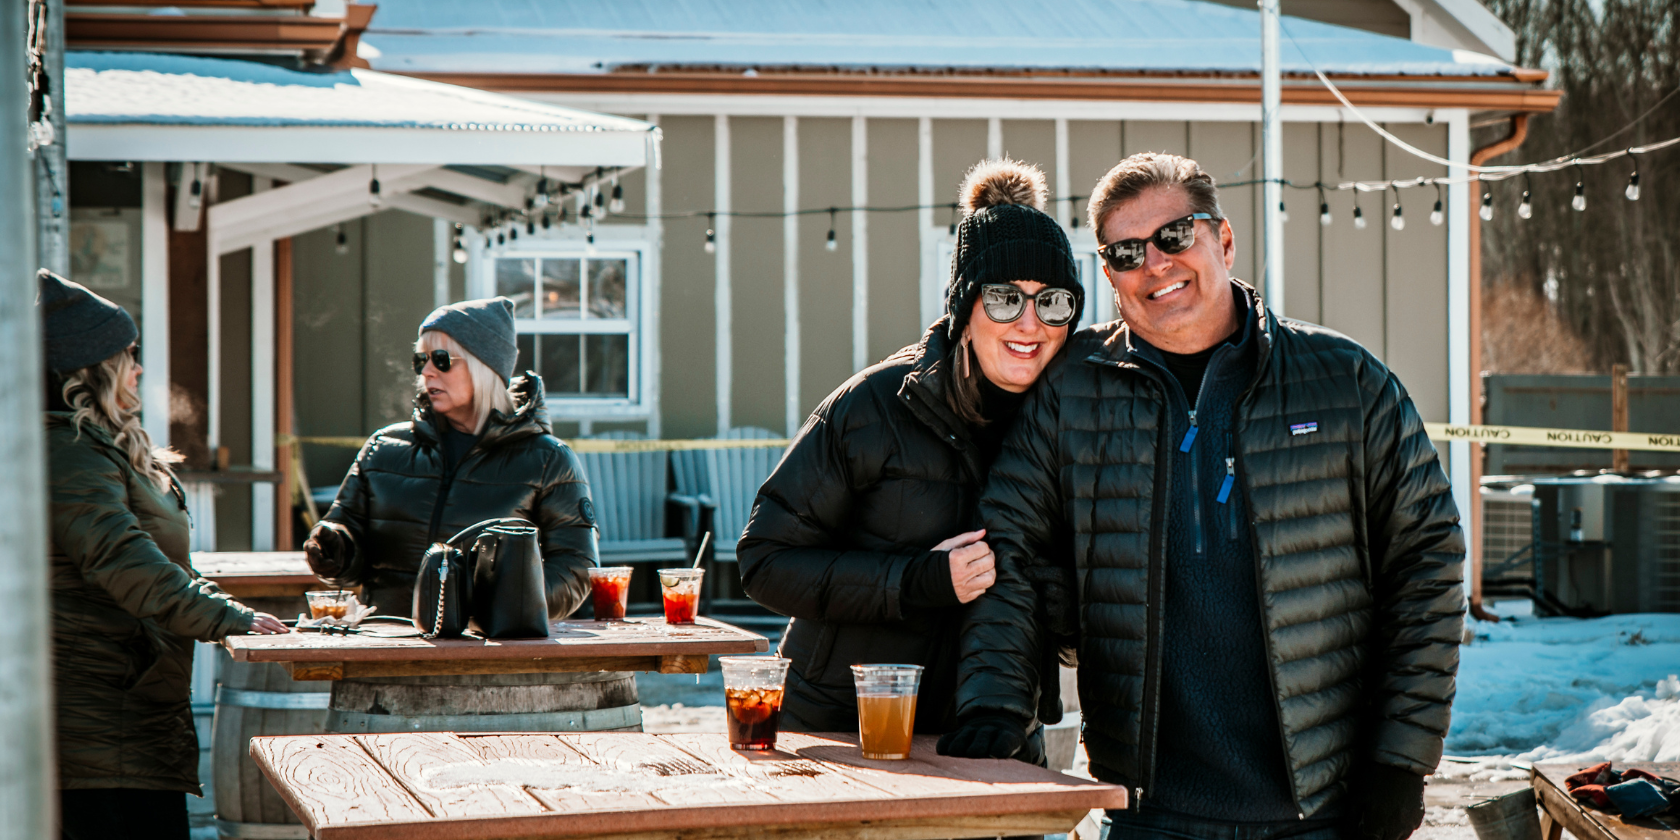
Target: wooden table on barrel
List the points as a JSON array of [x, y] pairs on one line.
[[448, 786], [1559, 810], [248, 575]]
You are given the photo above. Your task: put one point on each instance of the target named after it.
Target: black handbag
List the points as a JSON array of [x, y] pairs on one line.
[[509, 594], [442, 593]]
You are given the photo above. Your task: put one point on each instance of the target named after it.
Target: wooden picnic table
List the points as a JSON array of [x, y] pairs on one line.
[[1559, 810], [623, 785], [635, 644], [258, 574]]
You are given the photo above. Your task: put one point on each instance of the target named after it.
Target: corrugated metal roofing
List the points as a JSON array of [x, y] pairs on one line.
[[162, 89], [1144, 36]]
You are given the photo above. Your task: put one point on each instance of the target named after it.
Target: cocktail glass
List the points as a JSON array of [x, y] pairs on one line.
[[681, 591], [328, 603], [609, 589], [886, 698], [752, 690]]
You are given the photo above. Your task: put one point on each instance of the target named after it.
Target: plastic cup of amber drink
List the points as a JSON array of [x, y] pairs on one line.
[[752, 691], [609, 589], [328, 603], [886, 698], [681, 591]]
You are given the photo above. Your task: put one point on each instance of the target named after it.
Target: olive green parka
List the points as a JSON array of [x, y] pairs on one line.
[[126, 607]]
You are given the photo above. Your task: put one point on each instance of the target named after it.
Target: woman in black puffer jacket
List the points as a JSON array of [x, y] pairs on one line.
[[862, 534]]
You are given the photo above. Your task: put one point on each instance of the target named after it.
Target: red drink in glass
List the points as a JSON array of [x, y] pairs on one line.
[[609, 589], [681, 591]]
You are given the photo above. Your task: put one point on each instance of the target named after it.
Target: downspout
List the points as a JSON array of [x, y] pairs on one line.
[[1519, 133]]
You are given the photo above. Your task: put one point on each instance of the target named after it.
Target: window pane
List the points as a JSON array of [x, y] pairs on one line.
[[560, 288], [527, 353], [559, 368], [517, 280], [606, 288], [608, 363]]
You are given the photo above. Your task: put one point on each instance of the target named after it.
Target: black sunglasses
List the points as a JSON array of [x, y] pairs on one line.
[[1174, 237], [1004, 303], [440, 359]]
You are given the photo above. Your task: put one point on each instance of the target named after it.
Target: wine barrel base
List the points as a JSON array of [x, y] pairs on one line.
[[614, 719], [257, 698], [596, 701]]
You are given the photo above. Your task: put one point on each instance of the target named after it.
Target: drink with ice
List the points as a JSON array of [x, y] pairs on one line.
[[328, 603], [609, 589], [886, 696], [681, 591], [752, 690]]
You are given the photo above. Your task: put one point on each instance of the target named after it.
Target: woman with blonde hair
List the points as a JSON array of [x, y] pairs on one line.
[[126, 602]]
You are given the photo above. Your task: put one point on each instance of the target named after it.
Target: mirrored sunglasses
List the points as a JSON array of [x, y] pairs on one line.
[[1004, 303], [440, 359], [1174, 237]]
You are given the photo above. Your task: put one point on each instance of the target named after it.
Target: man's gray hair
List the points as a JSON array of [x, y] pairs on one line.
[[1146, 170]]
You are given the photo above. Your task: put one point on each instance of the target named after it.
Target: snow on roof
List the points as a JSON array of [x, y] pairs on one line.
[[161, 89], [1142, 36]]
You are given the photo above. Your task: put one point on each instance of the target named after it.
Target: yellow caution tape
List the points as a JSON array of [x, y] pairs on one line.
[[1578, 438], [578, 445]]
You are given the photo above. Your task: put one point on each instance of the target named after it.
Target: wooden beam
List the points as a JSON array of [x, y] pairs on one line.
[[464, 214], [315, 203], [287, 172], [470, 186]]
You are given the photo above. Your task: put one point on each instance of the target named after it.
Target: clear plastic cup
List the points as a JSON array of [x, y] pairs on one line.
[[328, 603], [752, 691], [680, 589], [609, 589], [886, 697]]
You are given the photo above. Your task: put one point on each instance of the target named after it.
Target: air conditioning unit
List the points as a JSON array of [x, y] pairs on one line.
[[1606, 544]]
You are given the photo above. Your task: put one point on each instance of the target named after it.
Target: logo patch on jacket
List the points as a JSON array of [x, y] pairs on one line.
[[1303, 428], [586, 510]]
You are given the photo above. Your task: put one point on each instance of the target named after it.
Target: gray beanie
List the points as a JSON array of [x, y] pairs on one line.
[[80, 328], [483, 328]]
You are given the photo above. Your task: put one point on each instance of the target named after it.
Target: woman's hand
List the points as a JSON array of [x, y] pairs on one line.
[[263, 624], [973, 569]]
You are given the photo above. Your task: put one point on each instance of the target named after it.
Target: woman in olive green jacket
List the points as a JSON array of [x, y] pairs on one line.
[[126, 604]]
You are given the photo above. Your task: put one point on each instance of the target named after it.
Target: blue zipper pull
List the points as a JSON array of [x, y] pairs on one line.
[[1230, 479], [1189, 436]]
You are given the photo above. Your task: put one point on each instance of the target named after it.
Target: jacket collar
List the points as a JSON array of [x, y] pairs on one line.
[[928, 383], [1120, 349], [530, 417]]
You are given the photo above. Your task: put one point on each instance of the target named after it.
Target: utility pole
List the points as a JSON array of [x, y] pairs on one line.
[[52, 172], [1271, 148], [27, 775]]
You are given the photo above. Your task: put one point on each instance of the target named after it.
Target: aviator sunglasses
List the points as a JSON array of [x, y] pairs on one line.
[[1004, 303], [440, 359], [1174, 237]]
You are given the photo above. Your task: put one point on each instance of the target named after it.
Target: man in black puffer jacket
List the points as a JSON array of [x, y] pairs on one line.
[[1239, 527]]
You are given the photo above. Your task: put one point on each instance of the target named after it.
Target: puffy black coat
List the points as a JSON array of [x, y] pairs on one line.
[[1355, 533], [842, 532], [398, 499]]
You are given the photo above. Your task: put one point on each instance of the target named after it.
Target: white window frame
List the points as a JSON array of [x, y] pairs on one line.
[[1099, 296], [630, 242]]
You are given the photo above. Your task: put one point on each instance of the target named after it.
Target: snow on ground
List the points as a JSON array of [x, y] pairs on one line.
[[1565, 690]]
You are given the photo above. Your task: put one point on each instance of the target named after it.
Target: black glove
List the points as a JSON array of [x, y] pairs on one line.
[[328, 548], [985, 736], [1390, 803]]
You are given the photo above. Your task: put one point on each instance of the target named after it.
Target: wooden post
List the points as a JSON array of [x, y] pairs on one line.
[[1618, 414], [283, 394]]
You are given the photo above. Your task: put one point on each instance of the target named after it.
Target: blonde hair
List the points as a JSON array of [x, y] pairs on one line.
[[489, 392], [99, 394]]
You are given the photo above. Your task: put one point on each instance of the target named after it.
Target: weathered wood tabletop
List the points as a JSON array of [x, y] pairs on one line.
[[635, 644], [1559, 810], [622, 785], [257, 574]]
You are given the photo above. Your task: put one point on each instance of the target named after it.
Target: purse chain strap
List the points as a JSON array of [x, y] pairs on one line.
[[443, 582]]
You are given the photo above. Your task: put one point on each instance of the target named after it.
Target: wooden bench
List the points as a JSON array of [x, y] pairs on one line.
[[1559, 810], [430, 786]]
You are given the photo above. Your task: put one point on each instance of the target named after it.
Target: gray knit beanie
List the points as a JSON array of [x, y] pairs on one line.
[[80, 328], [483, 328]]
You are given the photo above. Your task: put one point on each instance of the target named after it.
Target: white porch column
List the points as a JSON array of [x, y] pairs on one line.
[[860, 244], [931, 286], [650, 290], [723, 300], [1064, 208], [994, 138], [154, 301], [262, 384], [1459, 390], [790, 270], [443, 246]]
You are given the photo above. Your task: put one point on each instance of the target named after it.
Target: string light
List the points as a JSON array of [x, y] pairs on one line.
[[1487, 206], [1632, 191], [1525, 209], [1283, 212], [341, 243], [1579, 202], [374, 197], [459, 252], [1398, 220], [1324, 217], [617, 205], [1436, 214], [196, 194], [501, 238], [513, 232], [545, 221], [831, 245], [1358, 214]]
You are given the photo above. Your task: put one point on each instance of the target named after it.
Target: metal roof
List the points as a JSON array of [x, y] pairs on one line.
[[915, 36]]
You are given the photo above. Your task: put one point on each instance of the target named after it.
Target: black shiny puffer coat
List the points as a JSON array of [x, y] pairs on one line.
[[881, 472], [398, 499], [1356, 537]]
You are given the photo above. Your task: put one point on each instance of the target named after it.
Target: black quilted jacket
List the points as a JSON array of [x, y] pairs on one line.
[[398, 499], [1356, 538]]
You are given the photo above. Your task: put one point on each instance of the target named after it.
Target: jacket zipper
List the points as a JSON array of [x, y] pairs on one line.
[[443, 491]]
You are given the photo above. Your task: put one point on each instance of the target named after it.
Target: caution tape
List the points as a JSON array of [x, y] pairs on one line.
[[577, 445], [1577, 438]]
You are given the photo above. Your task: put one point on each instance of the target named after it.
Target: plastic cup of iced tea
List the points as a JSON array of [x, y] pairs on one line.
[[609, 589], [886, 698], [752, 691], [681, 591], [328, 603]]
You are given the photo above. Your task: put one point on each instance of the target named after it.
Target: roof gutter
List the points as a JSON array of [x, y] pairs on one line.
[[1518, 133]]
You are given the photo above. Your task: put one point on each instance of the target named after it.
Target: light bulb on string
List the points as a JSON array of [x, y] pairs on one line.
[[1632, 191], [341, 243], [501, 238], [540, 200], [1283, 212], [1436, 215], [1358, 213], [374, 196], [1525, 208], [831, 244], [513, 232], [1579, 202], [589, 238], [1487, 207], [546, 222], [530, 226], [711, 234], [1398, 220], [617, 205], [196, 195], [1324, 217], [459, 252]]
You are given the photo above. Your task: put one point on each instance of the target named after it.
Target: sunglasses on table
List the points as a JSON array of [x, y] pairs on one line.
[[1004, 303], [1174, 237], [440, 359]]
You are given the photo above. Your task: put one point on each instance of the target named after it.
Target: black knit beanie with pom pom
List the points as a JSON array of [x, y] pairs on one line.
[[1005, 236]]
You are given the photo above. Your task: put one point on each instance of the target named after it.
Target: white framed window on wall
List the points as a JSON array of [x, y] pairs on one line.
[[581, 320], [1099, 297]]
